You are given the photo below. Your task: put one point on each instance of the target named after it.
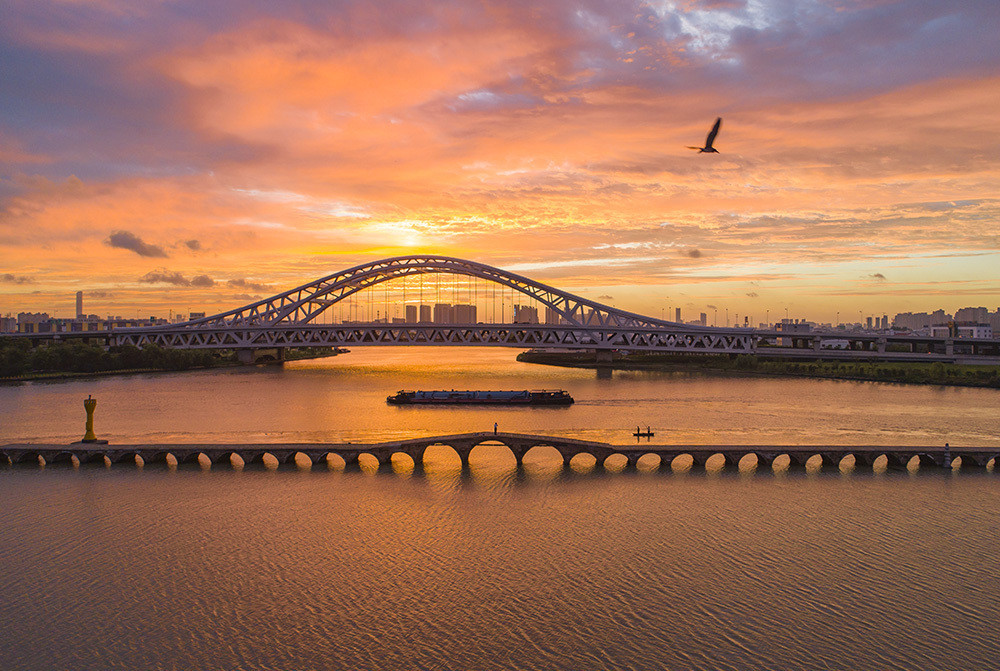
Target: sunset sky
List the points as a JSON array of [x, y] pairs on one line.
[[184, 154]]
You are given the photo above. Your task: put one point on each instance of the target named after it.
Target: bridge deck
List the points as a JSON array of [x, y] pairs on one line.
[[519, 445]]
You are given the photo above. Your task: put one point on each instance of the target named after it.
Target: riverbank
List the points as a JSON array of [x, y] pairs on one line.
[[935, 373]]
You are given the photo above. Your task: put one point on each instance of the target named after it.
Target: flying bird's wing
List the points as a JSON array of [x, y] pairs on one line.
[[690, 147], [712, 133]]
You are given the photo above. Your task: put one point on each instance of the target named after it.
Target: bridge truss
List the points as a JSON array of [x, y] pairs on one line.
[[292, 319]]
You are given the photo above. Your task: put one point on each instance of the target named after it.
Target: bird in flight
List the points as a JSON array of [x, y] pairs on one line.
[[708, 148]]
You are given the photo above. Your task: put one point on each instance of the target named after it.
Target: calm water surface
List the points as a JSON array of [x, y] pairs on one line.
[[495, 568], [343, 398]]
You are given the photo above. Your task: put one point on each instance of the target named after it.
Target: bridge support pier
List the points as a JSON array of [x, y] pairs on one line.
[[830, 462], [897, 462], [731, 461], [351, 462], [863, 463], [603, 356], [797, 463]]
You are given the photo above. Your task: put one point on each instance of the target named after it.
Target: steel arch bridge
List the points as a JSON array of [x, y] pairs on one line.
[[292, 319]]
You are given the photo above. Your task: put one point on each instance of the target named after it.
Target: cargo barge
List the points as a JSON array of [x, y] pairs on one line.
[[468, 397]]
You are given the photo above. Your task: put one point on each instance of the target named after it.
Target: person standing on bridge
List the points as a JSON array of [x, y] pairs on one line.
[[494, 428]]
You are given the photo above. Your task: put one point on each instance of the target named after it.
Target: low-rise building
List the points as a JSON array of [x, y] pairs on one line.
[[962, 330]]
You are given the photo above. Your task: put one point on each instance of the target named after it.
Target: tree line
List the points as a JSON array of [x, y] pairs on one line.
[[18, 357]]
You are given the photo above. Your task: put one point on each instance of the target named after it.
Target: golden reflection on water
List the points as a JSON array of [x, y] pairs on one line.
[[343, 399]]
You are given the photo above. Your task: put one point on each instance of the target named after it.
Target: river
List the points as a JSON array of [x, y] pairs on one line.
[[495, 568]]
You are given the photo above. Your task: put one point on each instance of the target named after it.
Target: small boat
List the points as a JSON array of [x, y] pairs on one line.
[[471, 397], [639, 433]]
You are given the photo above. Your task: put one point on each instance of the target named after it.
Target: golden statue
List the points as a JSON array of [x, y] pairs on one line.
[[89, 404]]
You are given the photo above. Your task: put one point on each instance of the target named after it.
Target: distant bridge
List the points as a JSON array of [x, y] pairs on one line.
[[828, 456], [296, 318]]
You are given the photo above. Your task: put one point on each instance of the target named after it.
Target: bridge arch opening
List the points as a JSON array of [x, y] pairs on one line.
[[126, 459], [28, 458], [368, 463], [715, 463], [493, 455], [752, 462], [227, 460], [98, 459], [334, 462], [615, 463], [61, 459], [401, 463], [441, 458], [319, 461], [582, 462], [258, 460], [647, 462], [683, 462], [199, 459], [160, 459], [297, 460], [861, 463], [543, 457]]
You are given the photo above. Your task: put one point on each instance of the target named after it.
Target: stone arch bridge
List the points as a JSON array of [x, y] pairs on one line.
[[830, 456]]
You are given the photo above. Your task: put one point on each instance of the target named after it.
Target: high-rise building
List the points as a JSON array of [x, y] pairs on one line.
[[552, 316], [978, 315], [79, 305], [443, 313], [525, 314], [677, 315], [425, 314], [411, 314], [868, 323], [464, 314], [703, 319]]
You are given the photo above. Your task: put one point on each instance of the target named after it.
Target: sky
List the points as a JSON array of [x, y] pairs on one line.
[[190, 155]]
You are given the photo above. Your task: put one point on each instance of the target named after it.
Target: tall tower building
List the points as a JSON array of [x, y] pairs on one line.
[[464, 314], [525, 314], [677, 314], [79, 305], [443, 313]]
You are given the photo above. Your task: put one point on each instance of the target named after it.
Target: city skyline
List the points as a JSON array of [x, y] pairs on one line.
[[168, 156]]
